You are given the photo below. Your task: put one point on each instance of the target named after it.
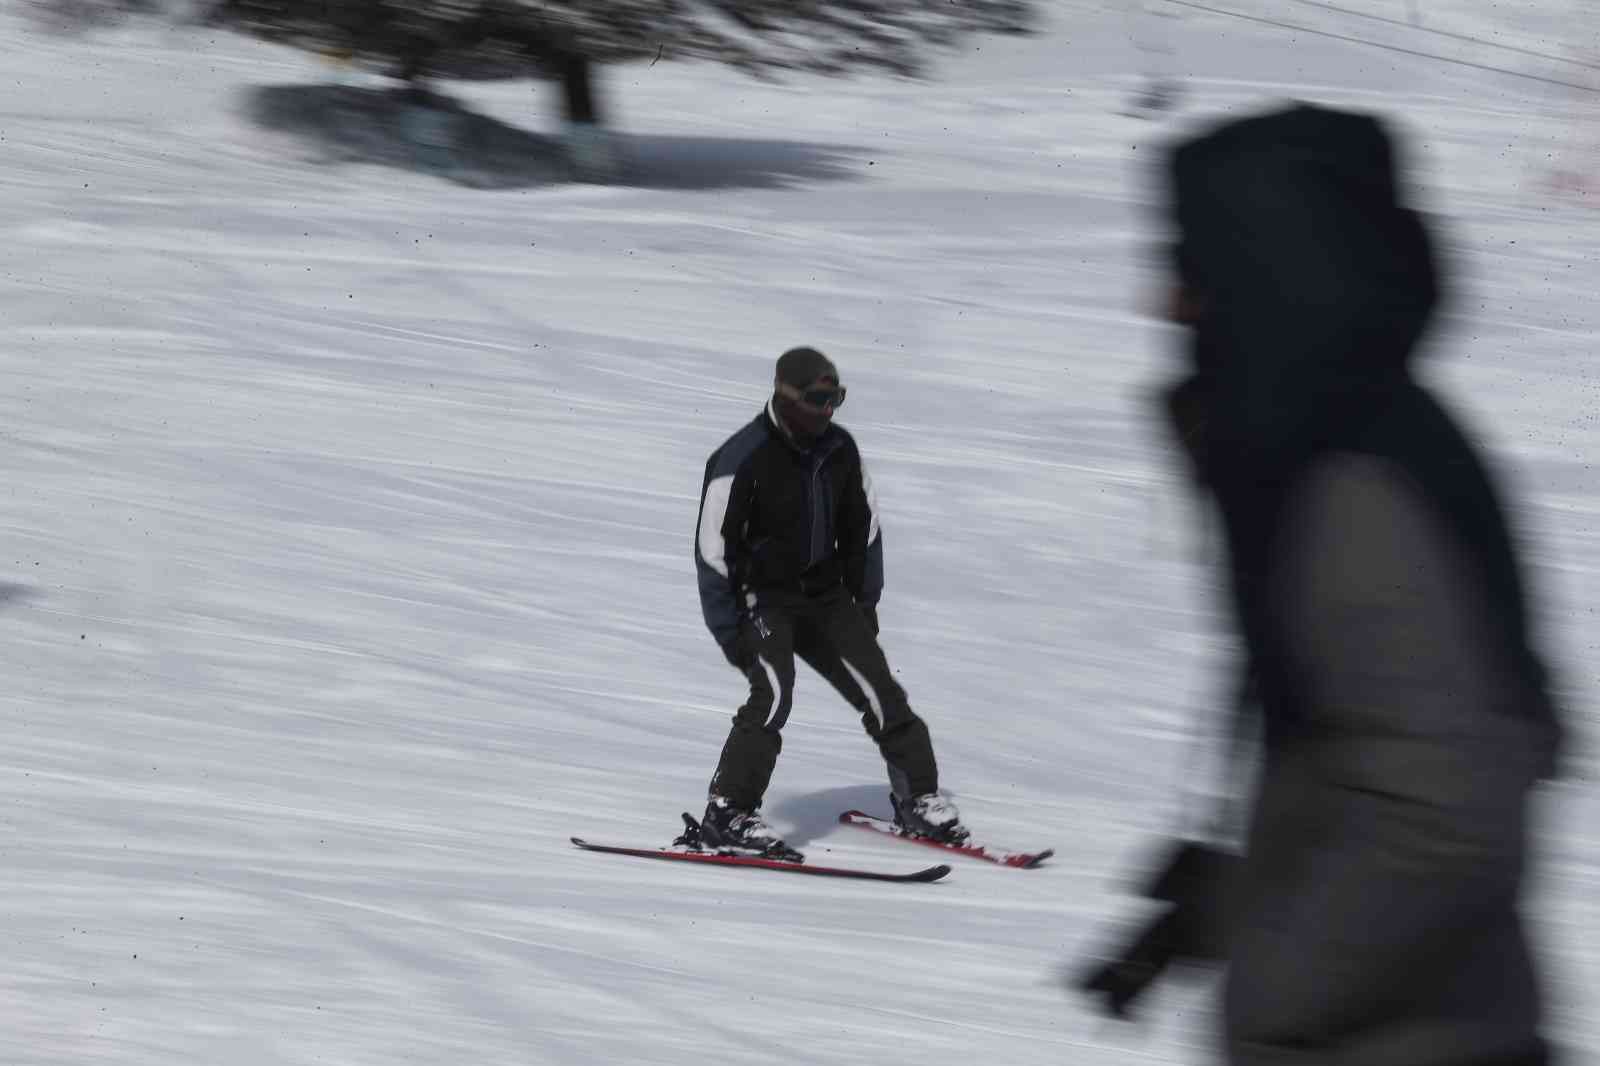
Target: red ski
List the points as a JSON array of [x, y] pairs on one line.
[[1022, 860], [930, 873]]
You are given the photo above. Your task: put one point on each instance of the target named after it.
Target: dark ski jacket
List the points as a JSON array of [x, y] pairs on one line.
[[1318, 286], [777, 521], [1405, 710]]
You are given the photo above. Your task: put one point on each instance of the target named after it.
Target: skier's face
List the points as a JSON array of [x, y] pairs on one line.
[[1185, 305], [808, 411]]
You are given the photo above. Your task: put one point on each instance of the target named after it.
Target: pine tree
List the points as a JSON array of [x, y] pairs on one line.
[[423, 41], [417, 40]]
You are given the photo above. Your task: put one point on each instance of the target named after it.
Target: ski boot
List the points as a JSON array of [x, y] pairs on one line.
[[731, 831], [930, 816]]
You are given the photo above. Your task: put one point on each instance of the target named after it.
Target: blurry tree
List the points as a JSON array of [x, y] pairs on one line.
[[69, 16], [421, 41], [562, 40]]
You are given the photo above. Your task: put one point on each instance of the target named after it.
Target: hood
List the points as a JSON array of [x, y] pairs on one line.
[[1316, 283]]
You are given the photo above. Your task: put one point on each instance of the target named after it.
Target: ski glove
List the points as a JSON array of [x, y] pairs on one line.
[[1194, 881], [734, 652], [744, 650], [869, 611]]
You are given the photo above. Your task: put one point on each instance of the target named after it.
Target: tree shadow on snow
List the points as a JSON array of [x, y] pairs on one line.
[[816, 814], [431, 133]]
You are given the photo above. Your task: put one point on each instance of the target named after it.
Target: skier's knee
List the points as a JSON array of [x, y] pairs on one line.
[[764, 712]]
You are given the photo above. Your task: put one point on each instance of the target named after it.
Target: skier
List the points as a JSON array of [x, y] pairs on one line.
[[1374, 916], [790, 563]]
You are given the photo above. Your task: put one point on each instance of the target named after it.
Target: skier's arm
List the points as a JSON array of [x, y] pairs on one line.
[[723, 510], [861, 539]]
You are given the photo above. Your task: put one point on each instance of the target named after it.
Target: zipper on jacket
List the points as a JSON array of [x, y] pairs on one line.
[[816, 513]]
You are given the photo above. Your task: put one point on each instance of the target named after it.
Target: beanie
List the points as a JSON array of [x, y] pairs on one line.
[[800, 367]]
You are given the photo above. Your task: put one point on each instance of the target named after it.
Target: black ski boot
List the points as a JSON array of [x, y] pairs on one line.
[[732, 831], [929, 815]]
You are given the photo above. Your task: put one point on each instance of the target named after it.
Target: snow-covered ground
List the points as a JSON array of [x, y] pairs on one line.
[[347, 525]]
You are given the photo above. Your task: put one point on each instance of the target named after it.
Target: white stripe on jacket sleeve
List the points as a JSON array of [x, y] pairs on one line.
[[872, 503], [713, 549]]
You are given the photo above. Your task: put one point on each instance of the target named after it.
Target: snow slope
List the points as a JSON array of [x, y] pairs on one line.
[[347, 528]]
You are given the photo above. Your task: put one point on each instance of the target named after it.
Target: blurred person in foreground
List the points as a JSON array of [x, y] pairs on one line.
[[790, 560], [1373, 917]]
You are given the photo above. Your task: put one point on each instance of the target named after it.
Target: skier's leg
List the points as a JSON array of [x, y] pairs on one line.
[[836, 642], [751, 750]]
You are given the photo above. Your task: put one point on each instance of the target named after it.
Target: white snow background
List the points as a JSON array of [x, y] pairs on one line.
[[346, 516]]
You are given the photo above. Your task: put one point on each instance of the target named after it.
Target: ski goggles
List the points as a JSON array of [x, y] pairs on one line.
[[821, 397]]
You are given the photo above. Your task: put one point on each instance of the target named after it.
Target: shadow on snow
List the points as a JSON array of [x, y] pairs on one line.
[[430, 133], [816, 814]]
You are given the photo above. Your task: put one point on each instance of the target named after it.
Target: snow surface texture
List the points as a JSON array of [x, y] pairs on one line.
[[348, 514]]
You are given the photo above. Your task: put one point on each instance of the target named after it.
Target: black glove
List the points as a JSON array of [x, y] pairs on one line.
[[744, 650], [1136, 966], [1193, 880], [869, 611], [736, 653]]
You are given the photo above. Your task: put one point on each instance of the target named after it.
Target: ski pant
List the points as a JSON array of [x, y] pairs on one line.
[[830, 634]]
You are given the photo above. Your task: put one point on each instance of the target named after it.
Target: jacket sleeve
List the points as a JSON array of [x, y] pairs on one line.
[[724, 509], [860, 536]]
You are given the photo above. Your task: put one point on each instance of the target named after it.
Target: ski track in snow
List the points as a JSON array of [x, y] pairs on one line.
[[348, 519]]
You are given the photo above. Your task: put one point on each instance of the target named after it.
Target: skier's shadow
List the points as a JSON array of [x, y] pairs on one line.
[[437, 134], [807, 817]]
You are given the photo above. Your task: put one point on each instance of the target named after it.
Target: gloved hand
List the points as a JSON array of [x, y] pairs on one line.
[[1193, 881], [1117, 982], [744, 650], [737, 654], [869, 611]]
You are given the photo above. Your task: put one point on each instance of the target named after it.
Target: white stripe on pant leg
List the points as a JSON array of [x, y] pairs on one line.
[[777, 689], [872, 693]]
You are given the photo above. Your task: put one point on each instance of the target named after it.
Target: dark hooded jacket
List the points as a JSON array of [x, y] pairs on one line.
[[1405, 711], [1317, 286]]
